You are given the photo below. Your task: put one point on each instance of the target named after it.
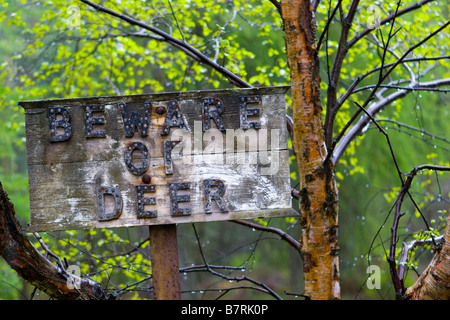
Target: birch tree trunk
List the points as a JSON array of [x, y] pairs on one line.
[[318, 191]]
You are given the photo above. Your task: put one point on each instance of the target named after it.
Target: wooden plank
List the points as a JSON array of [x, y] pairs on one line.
[[248, 194], [79, 149], [85, 182]]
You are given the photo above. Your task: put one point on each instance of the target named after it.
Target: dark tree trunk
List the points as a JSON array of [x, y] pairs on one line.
[[32, 266]]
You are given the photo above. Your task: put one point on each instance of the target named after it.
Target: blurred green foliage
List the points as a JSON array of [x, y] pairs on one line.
[[44, 55]]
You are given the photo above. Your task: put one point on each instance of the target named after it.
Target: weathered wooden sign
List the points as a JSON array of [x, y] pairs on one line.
[[157, 159]]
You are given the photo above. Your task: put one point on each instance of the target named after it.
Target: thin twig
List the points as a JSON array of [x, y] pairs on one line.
[[388, 141], [234, 79], [417, 88], [350, 90], [336, 72], [332, 103], [401, 12], [262, 287], [397, 275], [327, 26], [277, 5], [335, 156], [290, 240], [176, 20], [48, 251], [407, 247]]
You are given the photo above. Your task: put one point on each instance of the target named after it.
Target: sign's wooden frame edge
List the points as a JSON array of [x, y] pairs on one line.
[[269, 213], [33, 104]]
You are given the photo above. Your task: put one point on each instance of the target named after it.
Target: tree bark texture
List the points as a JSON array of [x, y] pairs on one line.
[[434, 282], [318, 190], [32, 266]]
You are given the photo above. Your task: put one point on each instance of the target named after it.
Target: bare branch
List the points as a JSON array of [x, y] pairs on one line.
[[315, 4], [47, 250], [401, 12], [262, 287], [290, 125], [32, 266], [397, 275], [333, 107], [325, 29], [374, 108], [291, 241], [277, 5], [176, 20], [387, 139], [393, 96], [417, 87], [422, 131], [331, 98], [407, 247], [352, 87], [433, 282], [336, 72], [216, 39], [234, 79]]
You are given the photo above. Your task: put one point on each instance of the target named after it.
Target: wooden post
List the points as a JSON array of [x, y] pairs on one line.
[[164, 255]]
